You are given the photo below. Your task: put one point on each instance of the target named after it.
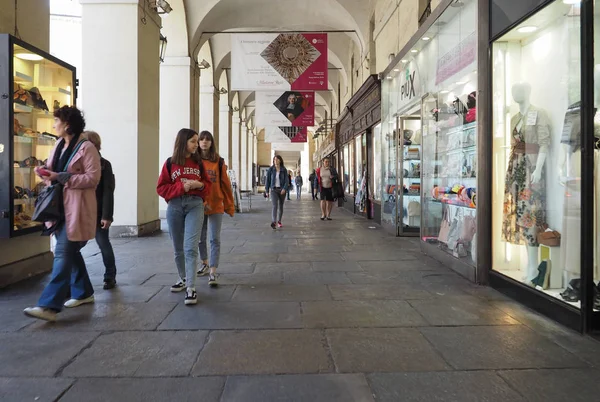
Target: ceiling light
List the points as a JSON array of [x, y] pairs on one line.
[[204, 64], [29, 56], [426, 38], [571, 1], [460, 83], [414, 51], [527, 29], [222, 91], [389, 77], [444, 92], [404, 61], [397, 70]]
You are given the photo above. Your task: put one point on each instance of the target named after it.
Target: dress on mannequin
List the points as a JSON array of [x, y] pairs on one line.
[[524, 201]]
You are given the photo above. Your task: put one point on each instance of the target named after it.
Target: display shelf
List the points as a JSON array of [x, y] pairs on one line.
[[25, 201], [20, 77], [59, 90], [40, 113], [18, 108]]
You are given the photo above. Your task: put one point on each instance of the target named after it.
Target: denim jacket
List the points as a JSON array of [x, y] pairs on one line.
[[284, 180]]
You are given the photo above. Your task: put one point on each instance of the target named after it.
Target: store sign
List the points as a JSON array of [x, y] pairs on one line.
[[271, 62], [456, 59], [410, 85], [290, 108]]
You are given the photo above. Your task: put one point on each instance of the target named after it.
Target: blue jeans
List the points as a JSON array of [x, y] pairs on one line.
[[69, 274], [298, 192], [185, 217], [212, 227], [108, 255], [277, 199]]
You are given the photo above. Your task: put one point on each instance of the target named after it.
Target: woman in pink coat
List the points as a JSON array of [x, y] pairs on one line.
[[74, 163]]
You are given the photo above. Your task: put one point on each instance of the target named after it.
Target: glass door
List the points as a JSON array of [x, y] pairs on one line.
[[409, 175]]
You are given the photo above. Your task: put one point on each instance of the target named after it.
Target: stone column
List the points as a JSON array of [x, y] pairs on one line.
[[305, 163], [120, 82], [224, 132], [235, 147], [244, 156], [207, 108], [176, 110]]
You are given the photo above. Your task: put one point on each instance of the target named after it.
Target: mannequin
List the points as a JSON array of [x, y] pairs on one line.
[[525, 184]]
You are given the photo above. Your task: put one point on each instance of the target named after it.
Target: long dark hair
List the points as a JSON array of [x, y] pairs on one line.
[[180, 149], [280, 161], [213, 155]]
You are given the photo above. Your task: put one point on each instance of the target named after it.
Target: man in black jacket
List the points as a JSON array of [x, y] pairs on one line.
[[312, 179], [105, 197]]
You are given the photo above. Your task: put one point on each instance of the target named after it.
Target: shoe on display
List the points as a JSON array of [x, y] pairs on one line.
[[190, 296], [41, 313], [543, 277], [179, 286], [570, 295], [203, 270], [78, 302]]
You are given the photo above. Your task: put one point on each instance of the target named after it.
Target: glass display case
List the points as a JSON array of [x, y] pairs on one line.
[[38, 84], [537, 175], [450, 174], [409, 174]]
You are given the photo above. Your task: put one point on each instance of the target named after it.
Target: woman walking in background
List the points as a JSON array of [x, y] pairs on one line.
[[75, 164], [184, 184], [219, 201], [277, 185], [326, 176], [105, 198]]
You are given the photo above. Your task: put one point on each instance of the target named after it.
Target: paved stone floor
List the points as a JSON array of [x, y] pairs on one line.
[[317, 311]]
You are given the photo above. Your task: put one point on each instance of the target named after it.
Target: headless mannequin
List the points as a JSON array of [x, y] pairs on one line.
[[521, 92]]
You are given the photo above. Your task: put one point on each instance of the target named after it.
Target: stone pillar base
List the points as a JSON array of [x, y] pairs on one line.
[[21, 270], [141, 230]]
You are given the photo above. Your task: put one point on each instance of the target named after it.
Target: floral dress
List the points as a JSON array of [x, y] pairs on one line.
[[524, 202]]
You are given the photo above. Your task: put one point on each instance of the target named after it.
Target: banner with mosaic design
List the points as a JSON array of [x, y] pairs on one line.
[[271, 62], [286, 134], [290, 108]]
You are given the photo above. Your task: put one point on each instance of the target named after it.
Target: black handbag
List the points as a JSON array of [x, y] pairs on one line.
[[337, 189], [49, 203]]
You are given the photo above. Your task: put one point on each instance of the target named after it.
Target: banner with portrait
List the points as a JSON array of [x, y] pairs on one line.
[[286, 134], [290, 108], [279, 62]]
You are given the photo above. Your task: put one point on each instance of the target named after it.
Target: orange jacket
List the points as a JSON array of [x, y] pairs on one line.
[[220, 199]]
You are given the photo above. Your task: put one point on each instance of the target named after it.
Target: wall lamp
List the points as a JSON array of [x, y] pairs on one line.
[[163, 48], [222, 91], [236, 109], [161, 6], [203, 64]]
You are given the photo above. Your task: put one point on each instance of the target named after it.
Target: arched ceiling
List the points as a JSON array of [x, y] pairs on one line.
[[196, 28]]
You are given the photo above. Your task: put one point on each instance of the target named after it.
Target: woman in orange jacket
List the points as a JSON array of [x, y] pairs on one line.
[[218, 202]]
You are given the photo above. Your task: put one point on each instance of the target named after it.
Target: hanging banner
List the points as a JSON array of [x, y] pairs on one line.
[[292, 108], [286, 134], [271, 62]]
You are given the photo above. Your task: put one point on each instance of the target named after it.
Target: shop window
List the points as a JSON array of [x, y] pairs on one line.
[[536, 210], [376, 188]]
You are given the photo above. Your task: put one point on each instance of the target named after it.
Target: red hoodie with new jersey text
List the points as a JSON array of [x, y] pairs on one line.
[[170, 187]]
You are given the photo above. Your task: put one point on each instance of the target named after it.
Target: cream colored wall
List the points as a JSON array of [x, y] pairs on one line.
[[34, 28], [148, 119], [33, 21], [264, 150]]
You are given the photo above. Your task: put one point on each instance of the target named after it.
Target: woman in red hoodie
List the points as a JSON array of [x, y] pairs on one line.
[[218, 202], [184, 184]]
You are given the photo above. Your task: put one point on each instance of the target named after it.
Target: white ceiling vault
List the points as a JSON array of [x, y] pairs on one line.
[[201, 29]]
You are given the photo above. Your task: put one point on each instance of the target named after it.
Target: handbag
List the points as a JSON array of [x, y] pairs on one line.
[[550, 238], [444, 229], [337, 189], [49, 204], [469, 228]]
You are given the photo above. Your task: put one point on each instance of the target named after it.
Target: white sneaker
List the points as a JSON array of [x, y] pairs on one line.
[[41, 313], [78, 302]]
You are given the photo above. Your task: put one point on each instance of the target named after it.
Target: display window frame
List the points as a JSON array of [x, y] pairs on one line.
[[10, 76], [440, 60], [583, 319]]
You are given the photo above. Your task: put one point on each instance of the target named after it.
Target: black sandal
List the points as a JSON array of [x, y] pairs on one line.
[[322, 218], [329, 219]]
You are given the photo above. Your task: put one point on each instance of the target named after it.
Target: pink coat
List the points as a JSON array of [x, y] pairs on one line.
[[79, 193]]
